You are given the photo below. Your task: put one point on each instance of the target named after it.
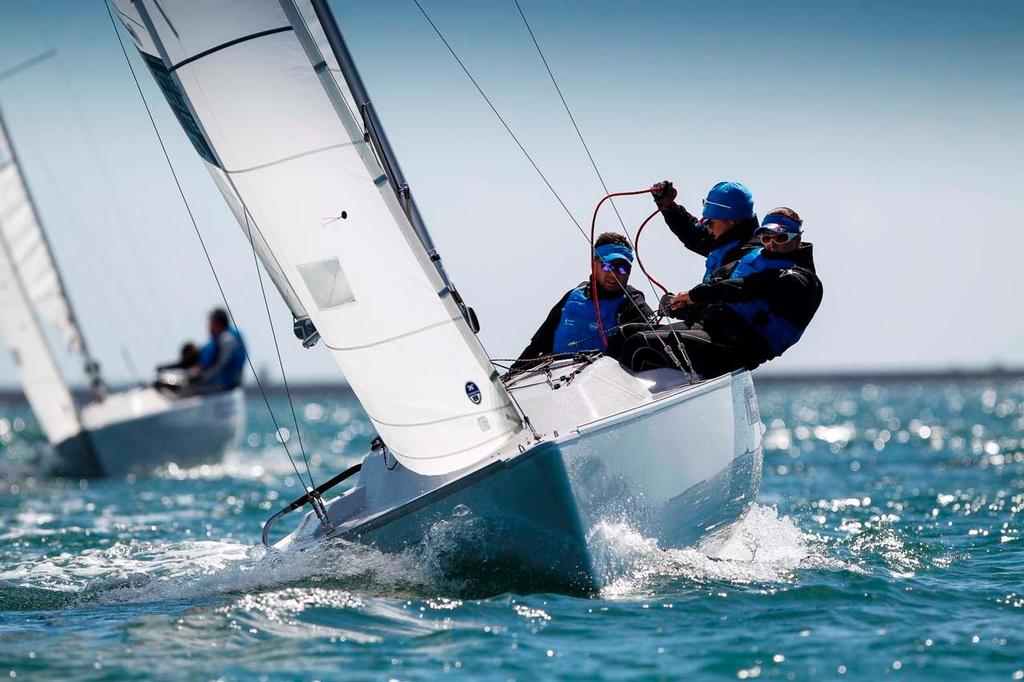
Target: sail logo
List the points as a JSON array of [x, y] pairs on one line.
[[473, 392]]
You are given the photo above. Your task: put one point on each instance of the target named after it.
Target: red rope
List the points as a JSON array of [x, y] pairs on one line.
[[636, 250], [593, 266]]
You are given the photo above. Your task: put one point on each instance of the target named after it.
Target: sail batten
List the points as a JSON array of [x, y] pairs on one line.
[[278, 129]]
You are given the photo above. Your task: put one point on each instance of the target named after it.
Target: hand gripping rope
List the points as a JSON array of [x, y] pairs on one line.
[[636, 250]]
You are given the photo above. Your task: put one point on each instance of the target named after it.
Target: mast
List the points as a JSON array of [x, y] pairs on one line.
[[258, 89], [375, 135], [91, 367]]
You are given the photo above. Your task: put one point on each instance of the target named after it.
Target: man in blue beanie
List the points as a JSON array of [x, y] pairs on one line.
[[726, 226], [572, 327], [748, 312]]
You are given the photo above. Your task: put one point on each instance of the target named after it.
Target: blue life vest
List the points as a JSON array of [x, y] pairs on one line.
[[230, 375], [778, 332], [716, 258], [577, 329]]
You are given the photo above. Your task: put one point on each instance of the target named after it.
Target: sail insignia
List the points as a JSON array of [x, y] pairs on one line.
[[176, 99]]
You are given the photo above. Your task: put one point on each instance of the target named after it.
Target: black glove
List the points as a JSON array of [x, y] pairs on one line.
[[665, 305], [664, 193]]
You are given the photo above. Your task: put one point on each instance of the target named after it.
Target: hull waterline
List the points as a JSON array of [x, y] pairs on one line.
[[527, 522], [137, 431]]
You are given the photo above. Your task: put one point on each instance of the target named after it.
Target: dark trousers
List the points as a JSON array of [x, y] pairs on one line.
[[644, 348]]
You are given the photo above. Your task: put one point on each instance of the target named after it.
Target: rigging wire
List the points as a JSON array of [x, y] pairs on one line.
[[273, 333], [593, 226], [501, 120], [554, 192], [572, 118], [56, 189], [157, 325], [27, 64], [586, 148], [202, 243]]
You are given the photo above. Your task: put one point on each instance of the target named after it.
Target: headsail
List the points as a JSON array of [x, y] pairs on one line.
[[254, 90], [31, 292]]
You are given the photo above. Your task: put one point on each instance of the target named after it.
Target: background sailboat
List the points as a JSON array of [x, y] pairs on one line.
[[272, 102], [117, 433]]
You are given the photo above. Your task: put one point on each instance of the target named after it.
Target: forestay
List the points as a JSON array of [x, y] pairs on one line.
[[255, 90], [30, 292]]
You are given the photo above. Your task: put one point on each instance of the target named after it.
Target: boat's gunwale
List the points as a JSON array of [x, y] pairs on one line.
[[498, 463], [173, 405], [669, 399]]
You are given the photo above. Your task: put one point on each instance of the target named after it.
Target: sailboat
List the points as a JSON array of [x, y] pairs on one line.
[[526, 466], [115, 433]]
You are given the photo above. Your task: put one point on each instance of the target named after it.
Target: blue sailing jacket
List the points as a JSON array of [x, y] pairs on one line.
[[777, 331], [230, 371], [577, 329], [716, 257]]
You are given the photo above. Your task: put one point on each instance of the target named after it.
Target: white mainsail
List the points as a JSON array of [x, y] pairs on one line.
[[31, 292], [254, 89]]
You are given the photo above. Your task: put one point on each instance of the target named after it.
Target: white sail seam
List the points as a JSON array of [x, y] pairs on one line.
[[500, 436], [294, 157], [396, 337], [441, 421]]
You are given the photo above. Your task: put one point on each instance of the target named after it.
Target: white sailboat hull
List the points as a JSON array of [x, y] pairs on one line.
[[677, 468], [139, 430]]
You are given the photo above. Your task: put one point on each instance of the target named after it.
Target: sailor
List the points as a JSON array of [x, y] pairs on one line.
[[749, 311], [222, 359], [173, 378], [187, 358], [724, 231], [572, 327]]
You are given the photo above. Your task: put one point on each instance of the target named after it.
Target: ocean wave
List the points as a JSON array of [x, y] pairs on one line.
[[762, 548]]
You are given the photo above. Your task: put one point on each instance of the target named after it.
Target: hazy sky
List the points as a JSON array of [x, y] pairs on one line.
[[893, 128]]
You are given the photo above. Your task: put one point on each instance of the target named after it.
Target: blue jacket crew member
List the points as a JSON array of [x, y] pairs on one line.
[[725, 229], [222, 359], [571, 326], [748, 312]]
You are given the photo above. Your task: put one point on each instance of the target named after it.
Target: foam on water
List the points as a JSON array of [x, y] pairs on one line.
[[886, 542], [762, 548], [143, 572]]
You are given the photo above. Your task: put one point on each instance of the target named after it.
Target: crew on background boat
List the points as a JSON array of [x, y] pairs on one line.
[[222, 359], [724, 231], [571, 326], [188, 356], [173, 378], [746, 313]]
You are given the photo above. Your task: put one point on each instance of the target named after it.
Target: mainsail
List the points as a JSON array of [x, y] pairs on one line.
[[260, 96], [31, 292]]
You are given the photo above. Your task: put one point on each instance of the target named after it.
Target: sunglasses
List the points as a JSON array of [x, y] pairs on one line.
[[705, 202], [617, 267], [779, 237]]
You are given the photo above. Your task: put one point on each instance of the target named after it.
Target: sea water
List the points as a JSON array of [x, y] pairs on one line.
[[886, 542]]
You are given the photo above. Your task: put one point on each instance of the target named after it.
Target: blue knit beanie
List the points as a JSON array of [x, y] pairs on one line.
[[729, 201]]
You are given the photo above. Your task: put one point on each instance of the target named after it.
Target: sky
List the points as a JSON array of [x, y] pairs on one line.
[[894, 129]]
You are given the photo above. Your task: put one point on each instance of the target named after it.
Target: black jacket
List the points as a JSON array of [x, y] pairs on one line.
[[793, 293], [633, 309], [697, 239]]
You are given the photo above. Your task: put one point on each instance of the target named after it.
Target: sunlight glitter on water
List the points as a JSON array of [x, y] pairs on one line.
[[911, 557]]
